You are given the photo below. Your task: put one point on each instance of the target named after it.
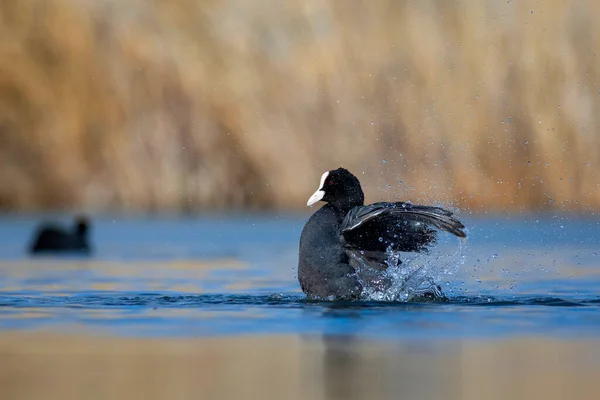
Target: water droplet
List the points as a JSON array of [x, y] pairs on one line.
[[384, 161], [380, 239]]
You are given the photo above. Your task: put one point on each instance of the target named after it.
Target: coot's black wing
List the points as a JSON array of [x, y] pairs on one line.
[[403, 226], [47, 238], [54, 239]]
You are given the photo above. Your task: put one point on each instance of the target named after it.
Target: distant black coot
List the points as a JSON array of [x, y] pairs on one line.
[[54, 239], [345, 227]]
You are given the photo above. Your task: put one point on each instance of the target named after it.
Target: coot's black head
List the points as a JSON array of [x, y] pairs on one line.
[[339, 188], [81, 225]]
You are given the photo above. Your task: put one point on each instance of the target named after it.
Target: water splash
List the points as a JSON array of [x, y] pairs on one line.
[[412, 275]]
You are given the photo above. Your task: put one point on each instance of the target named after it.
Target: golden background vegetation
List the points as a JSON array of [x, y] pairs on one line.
[[188, 105]]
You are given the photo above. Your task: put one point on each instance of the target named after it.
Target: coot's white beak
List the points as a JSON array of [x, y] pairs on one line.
[[319, 194]]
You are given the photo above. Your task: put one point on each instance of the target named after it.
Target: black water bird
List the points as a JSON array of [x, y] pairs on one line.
[[50, 238], [345, 228]]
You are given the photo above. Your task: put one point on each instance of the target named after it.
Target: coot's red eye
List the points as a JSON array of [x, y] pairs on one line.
[[330, 183]]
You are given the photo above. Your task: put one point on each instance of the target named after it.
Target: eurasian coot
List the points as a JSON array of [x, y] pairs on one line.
[[50, 238], [344, 228]]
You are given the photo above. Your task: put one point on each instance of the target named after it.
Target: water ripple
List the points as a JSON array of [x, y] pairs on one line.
[[187, 300]]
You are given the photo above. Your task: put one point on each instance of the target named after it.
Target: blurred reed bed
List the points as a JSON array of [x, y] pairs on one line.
[[188, 105]]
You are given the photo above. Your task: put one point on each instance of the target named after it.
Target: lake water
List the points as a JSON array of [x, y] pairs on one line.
[[210, 307]]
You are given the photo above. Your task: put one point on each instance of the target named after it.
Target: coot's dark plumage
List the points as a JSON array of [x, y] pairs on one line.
[[345, 227], [54, 239]]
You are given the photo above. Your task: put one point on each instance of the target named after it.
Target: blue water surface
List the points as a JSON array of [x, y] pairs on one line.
[[236, 275]]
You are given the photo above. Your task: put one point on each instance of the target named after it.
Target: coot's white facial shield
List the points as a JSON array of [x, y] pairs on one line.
[[320, 193]]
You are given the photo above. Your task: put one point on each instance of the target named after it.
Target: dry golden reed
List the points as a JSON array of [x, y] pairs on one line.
[[202, 105]]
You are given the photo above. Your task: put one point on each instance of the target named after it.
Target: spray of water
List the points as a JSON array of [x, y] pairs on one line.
[[411, 275]]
